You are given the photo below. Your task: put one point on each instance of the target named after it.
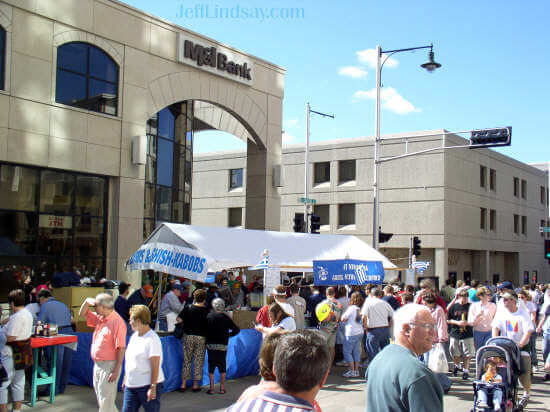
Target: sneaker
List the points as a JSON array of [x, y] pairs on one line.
[[523, 401], [482, 405], [455, 371], [341, 363], [348, 374], [465, 376]]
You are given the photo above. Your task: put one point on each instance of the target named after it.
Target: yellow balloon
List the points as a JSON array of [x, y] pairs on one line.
[[322, 311]]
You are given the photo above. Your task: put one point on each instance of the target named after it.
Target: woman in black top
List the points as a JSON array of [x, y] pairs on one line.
[[195, 328], [220, 328]]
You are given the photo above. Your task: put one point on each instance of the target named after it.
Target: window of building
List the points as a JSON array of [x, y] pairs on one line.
[[516, 187], [323, 211], [321, 172], [235, 217], [235, 178], [482, 176], [346, 214], [2, 58], [493, 220], [543, 195], [524, 189], [52, 219], [516, 224], [168, 169], [542, 224], [524, 225], [87, 77], [483, 218], [493, 180], [346, 171]]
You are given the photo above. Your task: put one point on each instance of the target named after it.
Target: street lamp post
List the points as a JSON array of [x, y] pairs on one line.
[[430, 66]]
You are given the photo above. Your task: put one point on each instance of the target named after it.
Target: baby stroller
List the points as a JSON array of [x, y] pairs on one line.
[[508, 351]]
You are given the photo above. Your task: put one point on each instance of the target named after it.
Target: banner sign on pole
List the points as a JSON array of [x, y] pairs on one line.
[[410, 277], [347, 272], [272, 278], [167, 258]]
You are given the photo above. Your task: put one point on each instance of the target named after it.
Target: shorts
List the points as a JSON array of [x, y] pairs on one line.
[[330, 336], [16, 383], [462, 347], [216, 359]]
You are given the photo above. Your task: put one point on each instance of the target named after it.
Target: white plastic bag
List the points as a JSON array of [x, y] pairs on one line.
[[437, 361]]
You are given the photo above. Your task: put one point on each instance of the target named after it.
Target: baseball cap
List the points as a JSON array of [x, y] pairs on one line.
[[148, 290]]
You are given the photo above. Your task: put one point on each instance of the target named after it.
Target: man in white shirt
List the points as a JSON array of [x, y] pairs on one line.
[[517, 325], [377, 321], [18, 328]]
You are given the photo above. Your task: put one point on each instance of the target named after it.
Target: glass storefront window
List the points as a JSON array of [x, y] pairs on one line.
[[18, 187], [164, 199], [56, 192], [165, 161], [90, 195], [51, 220]]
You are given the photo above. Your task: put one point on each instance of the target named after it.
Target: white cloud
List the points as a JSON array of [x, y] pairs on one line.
[[289, 123], [368, 57], [352, 71], [391, 100]]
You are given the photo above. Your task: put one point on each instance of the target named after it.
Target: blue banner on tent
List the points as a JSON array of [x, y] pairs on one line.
[[347, 272]]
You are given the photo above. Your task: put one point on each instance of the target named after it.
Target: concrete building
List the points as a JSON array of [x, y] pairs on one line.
[[98, 105], [477, 212]]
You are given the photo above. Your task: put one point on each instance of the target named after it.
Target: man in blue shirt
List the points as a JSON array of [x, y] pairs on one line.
[[122, 306], [53, 311]]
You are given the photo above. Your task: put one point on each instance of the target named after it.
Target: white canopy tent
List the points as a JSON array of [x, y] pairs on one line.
[[224, 248]]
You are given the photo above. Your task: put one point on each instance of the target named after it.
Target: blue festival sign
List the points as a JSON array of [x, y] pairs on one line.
[[347, 272]]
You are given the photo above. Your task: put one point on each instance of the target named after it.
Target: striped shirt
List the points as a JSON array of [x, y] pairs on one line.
[[272, 402]]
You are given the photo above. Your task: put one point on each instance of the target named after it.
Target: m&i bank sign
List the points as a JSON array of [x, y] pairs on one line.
[[215, 59]]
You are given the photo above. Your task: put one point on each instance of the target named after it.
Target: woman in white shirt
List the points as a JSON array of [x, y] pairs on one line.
[[18, 328], [353, 333], [143, 369], [280, 320], [481, 315]]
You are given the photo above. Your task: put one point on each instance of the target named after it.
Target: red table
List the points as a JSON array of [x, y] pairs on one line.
[[45, 378]]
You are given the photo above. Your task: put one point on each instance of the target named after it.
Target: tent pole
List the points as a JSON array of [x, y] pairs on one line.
[[159, 296]]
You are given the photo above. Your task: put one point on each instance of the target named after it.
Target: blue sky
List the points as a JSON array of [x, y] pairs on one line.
[[495, 58]]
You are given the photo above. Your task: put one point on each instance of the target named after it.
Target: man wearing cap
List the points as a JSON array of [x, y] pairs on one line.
[[142, 296], [122, 306], [170, 304], [517, 325], [329, 325]]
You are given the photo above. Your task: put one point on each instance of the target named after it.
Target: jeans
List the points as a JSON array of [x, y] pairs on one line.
[[533, 342], [163, 325], [352, 348], [546, 348], [377, 339], [63, 365], [497, 396], [481, 338], [136, 397]]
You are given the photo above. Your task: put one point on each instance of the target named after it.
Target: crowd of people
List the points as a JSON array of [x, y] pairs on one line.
[[393, 331]]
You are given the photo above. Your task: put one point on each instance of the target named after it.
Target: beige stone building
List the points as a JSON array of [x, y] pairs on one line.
[[98, 105], [477, 212]]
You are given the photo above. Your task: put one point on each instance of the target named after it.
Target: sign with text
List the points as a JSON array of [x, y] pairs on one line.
[[167, 258], [55, 222], [272, 278], [347, 272], [215, 59]]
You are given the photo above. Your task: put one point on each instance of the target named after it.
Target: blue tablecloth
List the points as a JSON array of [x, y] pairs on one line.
[[242, 360]]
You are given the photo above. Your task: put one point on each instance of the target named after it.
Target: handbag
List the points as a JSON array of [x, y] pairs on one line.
[[178, 331], [22, 354], [437, 361]]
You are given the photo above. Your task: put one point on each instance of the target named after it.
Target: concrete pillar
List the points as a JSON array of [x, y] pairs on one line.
[[441, 265]]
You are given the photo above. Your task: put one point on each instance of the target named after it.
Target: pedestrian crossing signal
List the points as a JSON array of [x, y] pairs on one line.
[[547, 248]]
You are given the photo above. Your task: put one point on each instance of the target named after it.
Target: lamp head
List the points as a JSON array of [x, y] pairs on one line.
[[431, 64]]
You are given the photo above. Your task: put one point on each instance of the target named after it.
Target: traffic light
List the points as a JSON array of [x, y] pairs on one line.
[[383, 237], [547, 248], [315, 224], [491, 137], [298, 222], [416, 246]]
